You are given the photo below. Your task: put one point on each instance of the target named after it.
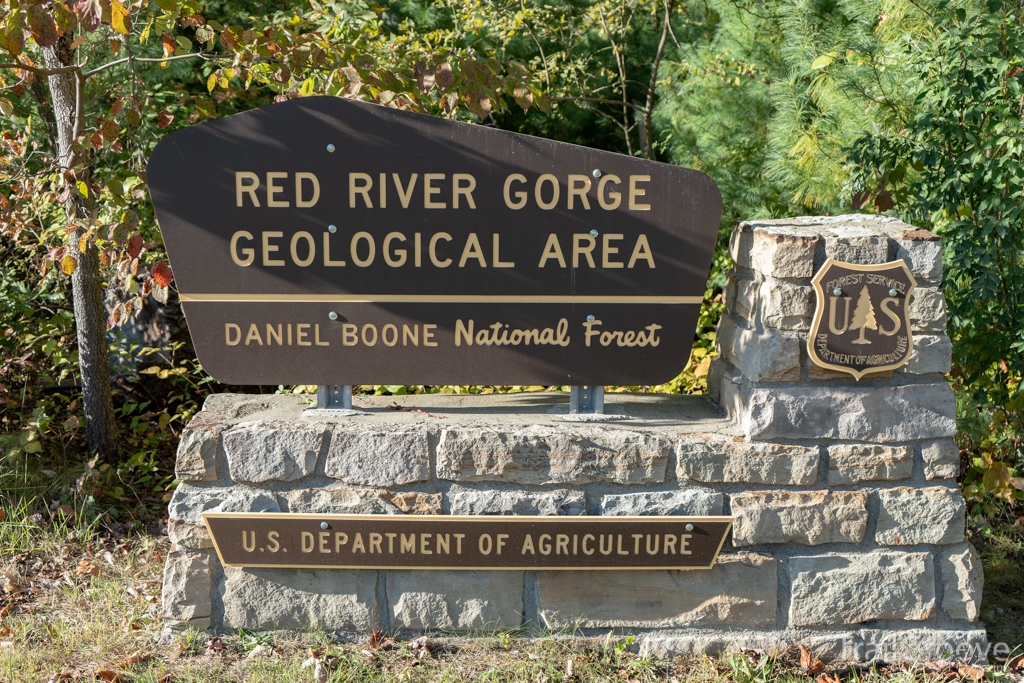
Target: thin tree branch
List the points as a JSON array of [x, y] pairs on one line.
[[125, 60], [598, 100], [649, 108]]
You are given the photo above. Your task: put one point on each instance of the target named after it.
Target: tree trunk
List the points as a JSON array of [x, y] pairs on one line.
[[86, 284]]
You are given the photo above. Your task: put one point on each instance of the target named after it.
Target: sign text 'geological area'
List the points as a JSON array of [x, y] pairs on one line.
[[326, 241]]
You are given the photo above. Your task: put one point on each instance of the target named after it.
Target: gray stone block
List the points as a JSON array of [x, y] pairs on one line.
[[337, 500], [460, 601], [189, 502], [932, 353], [740, 590], [929, 645], [378, 457], [188, 536], [782, 251], [745, 302], [498, 502], [853, 464], [784, 305], [828, 647], [769, 355], [835, 590], [808, 518], [740, 242], [941, 459], [962, 581], [922, 251], [272, 451], [552, 455], [910, 516], [856, 244], [686, 502], [704, 458], [186, 589], [928, 310], [196, 459], [874, 414], [328, 599]]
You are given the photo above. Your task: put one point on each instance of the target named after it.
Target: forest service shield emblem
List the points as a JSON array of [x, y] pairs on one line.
[[862, 320]]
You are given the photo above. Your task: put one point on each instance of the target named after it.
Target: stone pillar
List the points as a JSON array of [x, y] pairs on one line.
[[872, 544]]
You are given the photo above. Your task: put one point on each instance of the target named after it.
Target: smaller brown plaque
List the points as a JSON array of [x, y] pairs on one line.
[[862, 320], [312, 541]]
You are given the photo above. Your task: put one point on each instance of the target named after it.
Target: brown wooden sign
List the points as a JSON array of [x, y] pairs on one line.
[[465, 542], [862, 321], [327, 241]]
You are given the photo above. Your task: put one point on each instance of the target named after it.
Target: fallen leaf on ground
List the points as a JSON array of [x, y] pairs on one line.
[[970, 671], [10, 585], [6, 609], [109, 676], [134, 658], [167, 678], [421, 646], [87, 568], [214, 646], [5, 631], [827, 678], [809, 662]]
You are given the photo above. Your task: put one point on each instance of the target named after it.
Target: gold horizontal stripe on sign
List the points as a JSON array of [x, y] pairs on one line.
[[442, 298]]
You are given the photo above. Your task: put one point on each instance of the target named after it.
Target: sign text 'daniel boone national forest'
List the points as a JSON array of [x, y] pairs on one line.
[[326, 241]]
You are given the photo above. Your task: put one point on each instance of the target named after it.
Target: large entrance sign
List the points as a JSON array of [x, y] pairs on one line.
[[327, 241]]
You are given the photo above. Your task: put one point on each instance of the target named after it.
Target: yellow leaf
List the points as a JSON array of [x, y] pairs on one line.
[[68, 264], [211, 82], [119, 20]]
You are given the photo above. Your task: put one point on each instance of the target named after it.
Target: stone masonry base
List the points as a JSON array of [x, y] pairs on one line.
[[848, 524]]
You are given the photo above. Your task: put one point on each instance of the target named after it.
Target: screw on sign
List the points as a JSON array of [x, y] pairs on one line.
[[337, 242]]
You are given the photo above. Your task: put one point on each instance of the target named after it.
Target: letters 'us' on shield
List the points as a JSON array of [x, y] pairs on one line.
[[327, 241], [862, 321]]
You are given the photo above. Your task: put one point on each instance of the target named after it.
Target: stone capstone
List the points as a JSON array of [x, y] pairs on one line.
[[910, 516], [327, 599], [781, 251], [832, 590], [922, 251], [490, 502], [809, 518], [378, 457], [448, 600], [552, 455], [686, 502], [941, 459], [706, 459], [874, 414], [962, 581], [853, 464], [272, 451], [856, 244], [740, 590], [186, 589]]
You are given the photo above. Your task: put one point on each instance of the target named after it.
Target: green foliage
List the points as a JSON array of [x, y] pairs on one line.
[[957, 167]]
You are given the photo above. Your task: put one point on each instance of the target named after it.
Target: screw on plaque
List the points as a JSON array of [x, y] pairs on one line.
[[332, 315], [331, 148], [332, 228], [325, 525], [596, 173], [590, 318], [893, 292], [593, 233], [837, 291], [689, 527]]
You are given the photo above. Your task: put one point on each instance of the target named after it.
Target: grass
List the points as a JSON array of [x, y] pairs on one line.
[[81, 601]]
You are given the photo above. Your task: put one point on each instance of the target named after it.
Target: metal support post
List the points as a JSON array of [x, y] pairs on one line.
[[334, 396], [587, 400]]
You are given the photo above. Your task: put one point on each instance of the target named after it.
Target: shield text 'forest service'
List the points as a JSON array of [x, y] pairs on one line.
[[862, 322], [327, 241]]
